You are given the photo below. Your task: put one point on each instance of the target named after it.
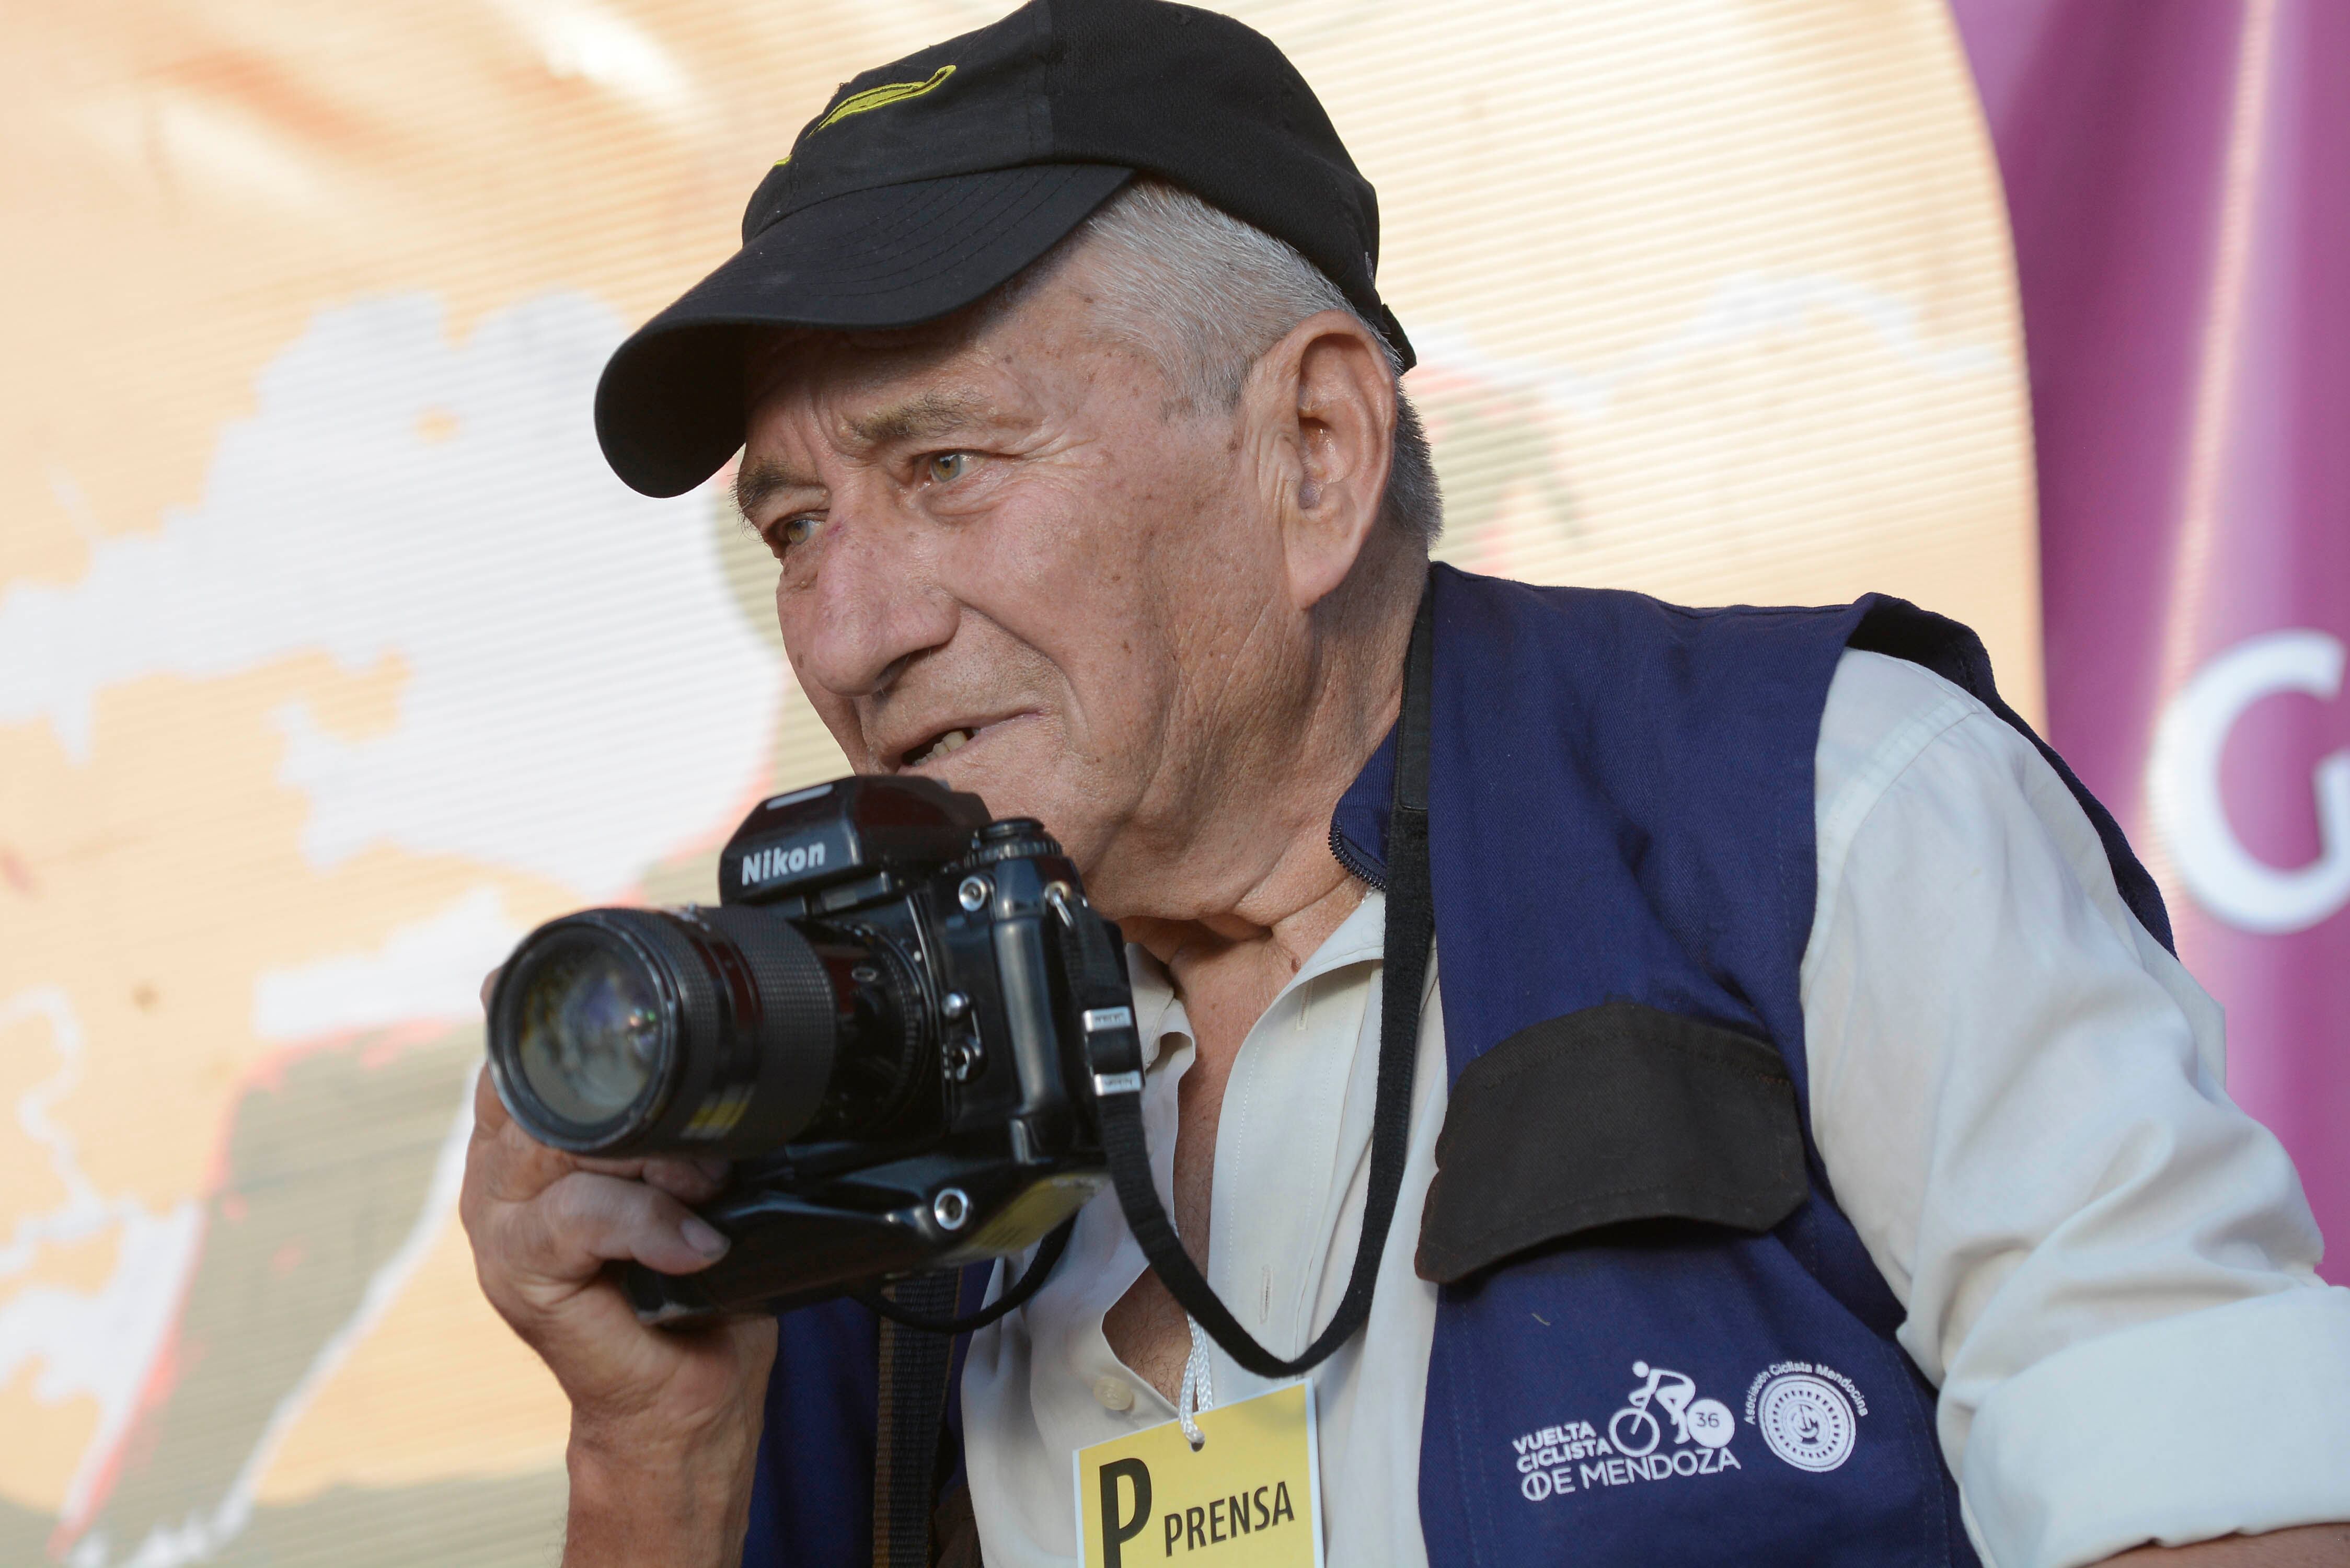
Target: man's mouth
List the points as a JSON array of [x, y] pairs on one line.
[[942, 746]]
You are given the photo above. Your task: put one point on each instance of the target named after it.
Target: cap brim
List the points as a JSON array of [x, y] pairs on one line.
[[669, 410]]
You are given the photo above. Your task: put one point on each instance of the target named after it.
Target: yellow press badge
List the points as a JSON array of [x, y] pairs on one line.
[[1249, 1498]]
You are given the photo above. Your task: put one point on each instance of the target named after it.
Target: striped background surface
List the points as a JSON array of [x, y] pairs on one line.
[[331, 658]]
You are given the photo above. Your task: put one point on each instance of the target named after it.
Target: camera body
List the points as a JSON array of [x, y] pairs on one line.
[[885, 1021]]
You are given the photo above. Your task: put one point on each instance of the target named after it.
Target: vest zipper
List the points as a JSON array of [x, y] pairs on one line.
[[1347, 856]]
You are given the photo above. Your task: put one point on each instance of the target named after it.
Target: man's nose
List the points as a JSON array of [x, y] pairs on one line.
[[871, 606]]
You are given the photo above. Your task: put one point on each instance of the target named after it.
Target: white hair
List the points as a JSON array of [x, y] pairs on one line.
[[1204, 295]]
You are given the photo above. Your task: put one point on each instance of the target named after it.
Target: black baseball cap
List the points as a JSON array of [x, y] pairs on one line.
[[928, 181]]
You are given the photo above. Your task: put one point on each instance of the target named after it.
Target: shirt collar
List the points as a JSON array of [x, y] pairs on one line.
[[1158, 1014]]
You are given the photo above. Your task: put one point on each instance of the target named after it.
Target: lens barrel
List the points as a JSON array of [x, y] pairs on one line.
[[703, 1032]]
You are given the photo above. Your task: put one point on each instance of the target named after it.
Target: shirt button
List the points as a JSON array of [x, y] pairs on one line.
[[1113, 1393]]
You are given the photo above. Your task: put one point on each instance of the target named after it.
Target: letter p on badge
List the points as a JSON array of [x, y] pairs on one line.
[[1249, 1497]]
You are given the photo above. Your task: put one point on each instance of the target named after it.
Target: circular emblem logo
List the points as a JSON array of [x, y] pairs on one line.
[[1806, 1421]]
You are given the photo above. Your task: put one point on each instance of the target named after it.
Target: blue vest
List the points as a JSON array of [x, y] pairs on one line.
[[1621, 818]]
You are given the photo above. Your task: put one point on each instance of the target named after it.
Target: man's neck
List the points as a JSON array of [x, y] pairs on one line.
[[1240, 912], [1256, 959]]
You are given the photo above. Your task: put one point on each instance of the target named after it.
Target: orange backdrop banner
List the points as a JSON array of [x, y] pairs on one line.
[[332, 657]]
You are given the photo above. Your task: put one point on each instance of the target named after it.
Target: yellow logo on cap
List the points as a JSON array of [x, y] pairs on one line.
[[876, 97]]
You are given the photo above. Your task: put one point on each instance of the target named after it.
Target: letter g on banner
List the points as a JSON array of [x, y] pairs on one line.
[[2183, 787]]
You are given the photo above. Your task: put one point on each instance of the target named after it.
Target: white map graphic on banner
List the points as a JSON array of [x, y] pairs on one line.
[[581, 692]]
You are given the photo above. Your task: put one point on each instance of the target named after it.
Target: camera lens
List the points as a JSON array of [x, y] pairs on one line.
[[591, 1034], [723, 1032]]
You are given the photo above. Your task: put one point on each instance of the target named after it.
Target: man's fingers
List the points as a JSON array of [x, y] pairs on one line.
[[687, 1180], [489, 1111], [517, 1167], [502, 1165], [682, 1168], [558, 1217], [514, 1167], [631, 1168], [587, 1219]]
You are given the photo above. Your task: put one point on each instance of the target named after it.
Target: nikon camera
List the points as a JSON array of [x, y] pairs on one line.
[[885, 1021]]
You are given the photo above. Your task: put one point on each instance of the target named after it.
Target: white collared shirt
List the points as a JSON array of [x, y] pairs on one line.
[[2106, 1268]]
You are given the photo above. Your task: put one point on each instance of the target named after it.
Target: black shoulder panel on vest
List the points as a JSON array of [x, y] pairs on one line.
[[1898, 628], [1615, 1112]]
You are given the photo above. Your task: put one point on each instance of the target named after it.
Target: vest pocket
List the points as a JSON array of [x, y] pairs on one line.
[[1617, 1113]]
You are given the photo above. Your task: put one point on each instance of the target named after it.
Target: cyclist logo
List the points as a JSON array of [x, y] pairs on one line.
[[1636, 1431], [1569, 1457]]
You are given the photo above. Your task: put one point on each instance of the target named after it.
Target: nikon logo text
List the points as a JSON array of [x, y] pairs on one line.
[[766, 865]]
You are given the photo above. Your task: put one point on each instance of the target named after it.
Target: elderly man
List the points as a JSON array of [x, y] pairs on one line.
[[1920, 1226]]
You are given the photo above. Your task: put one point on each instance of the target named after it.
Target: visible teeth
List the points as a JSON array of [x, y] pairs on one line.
[[946, 744]]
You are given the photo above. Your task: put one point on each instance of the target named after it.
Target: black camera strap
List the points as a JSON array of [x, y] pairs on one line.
[[909, 1411], [1410, 930], [1016, 1295]]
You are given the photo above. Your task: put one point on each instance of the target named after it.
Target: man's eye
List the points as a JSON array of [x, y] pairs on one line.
[[946, 466], [794, 531]]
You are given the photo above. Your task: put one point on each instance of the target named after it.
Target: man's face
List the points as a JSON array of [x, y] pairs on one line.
[[1008, 564]]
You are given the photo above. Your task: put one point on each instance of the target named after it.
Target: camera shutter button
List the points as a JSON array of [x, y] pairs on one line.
[[1113, 1393]]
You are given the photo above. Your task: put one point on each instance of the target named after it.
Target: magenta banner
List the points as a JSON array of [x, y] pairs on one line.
[[2179, 177]]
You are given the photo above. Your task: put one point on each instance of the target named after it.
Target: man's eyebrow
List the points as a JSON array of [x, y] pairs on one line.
[[921, 417], [755, 482]]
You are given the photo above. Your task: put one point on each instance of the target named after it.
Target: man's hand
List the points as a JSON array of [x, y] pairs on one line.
[[664, 1425]]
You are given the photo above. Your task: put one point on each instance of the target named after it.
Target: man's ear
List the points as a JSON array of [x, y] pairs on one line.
[[1325, 399]]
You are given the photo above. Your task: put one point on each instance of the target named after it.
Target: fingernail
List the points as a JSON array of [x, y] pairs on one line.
[[702, 1237]]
